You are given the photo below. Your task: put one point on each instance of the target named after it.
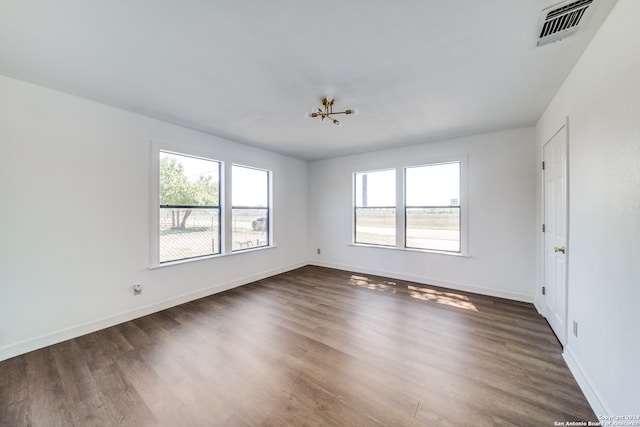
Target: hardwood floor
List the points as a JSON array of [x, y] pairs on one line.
[[313, 346]]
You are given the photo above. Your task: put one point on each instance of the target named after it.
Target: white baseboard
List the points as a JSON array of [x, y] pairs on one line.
[[586, 385], [537, 304], [56, 337], [428, 281]]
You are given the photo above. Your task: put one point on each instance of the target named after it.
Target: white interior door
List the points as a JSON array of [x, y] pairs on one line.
[[555, 236]]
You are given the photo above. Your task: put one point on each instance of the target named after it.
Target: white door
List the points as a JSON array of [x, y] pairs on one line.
[[555, 236]]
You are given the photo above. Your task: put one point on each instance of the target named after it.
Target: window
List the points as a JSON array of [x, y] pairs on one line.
[[428, 214], [189, 220], [432, 207], [250, 208], [201, 208], [375, 208]]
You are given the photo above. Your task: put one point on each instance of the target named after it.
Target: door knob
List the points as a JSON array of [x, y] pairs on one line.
[[558, 249]]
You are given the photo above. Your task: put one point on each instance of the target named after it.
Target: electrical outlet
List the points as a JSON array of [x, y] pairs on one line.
[[318, 251], [137, 289], [575, 328]]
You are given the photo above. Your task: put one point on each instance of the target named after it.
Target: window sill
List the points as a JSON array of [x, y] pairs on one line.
[[427, 251], [203, 258]]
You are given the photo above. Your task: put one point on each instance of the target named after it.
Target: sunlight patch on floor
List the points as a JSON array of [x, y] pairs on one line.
[[418, 292], [381, 285], [446, 298]]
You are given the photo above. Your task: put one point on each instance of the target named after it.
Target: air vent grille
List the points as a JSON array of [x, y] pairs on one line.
[[562, 20]]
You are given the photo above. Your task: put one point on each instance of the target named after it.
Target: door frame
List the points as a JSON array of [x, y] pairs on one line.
[[564, 126]]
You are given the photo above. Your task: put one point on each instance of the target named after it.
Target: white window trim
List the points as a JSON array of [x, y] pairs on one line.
[[400, 205], [206, 257], [155, 147], [269, 210], [353, 207]]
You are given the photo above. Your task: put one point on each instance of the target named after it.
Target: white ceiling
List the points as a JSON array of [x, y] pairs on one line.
[[418, 70]]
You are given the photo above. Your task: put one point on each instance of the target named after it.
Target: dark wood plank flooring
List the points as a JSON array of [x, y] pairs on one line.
[[314, 346]]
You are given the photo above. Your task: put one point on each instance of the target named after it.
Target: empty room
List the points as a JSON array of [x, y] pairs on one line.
[[411, 213]]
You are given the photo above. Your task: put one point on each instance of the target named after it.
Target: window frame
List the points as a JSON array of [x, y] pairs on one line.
[[406, 207], [356, 207], [224, 194], [158, 206], [268, 208], [400, 168]]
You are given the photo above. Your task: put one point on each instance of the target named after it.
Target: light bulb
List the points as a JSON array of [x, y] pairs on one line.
[[337, 122]]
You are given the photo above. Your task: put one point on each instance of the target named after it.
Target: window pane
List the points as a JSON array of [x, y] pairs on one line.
[[433, 185], [250, 187], [186, 180], [200, 235], [376, 189], [435, 229], [189, 207], [376, 226], [250, 210], [375, 213], [250, 228]]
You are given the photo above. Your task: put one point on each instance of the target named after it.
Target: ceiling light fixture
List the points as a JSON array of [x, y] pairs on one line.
[[327, 111]]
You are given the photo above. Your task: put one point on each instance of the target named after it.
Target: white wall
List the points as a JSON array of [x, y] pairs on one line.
[[502, 213], [601, 97], [75, 185]]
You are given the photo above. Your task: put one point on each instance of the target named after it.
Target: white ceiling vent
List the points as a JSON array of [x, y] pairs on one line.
[[562, 20]]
